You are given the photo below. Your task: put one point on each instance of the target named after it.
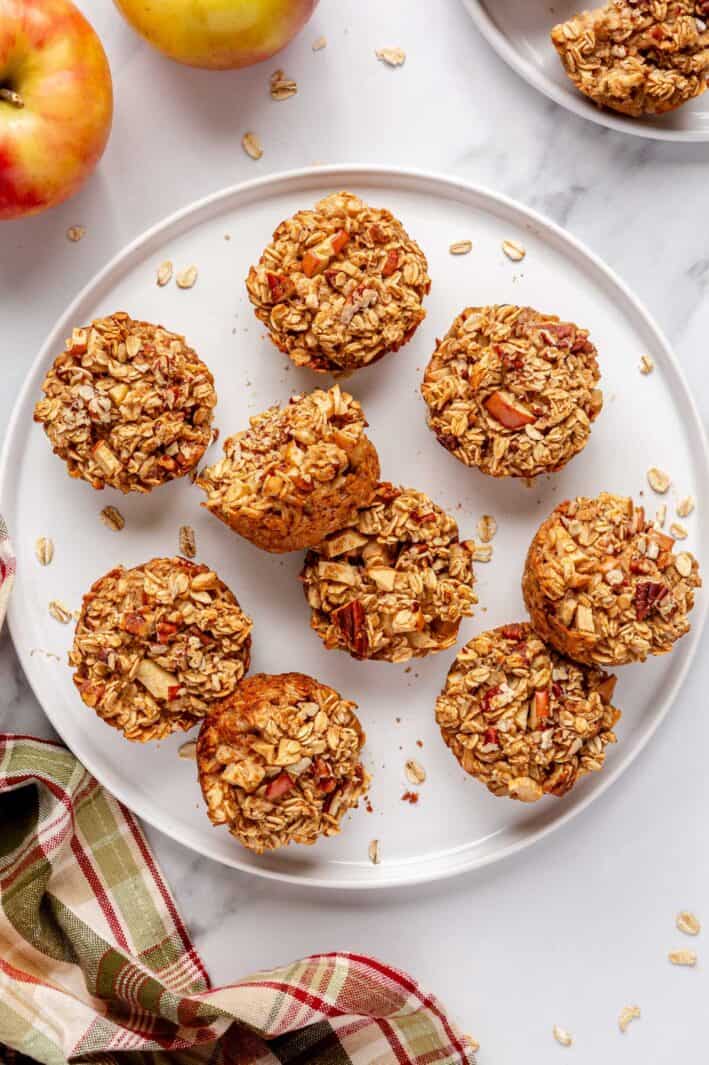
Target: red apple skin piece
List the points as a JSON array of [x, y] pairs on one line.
[[508, 414], [52, 57], [217, 34], [279, 787]]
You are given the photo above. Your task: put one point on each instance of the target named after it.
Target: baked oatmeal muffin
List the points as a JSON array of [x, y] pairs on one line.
[[639, 57], [127, 404], [340, 285], [279, 761], [296, 474], [512, 391], [394, 583], [603, 585], [157, 645], [523, 719]]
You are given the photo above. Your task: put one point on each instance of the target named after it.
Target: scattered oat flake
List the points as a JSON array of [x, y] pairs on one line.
[[479, 552], [685, 507], [683, 957], [164, 273], [188, 546], [415, 773], [658, 480], [252, 145], [187, 277], [646, 364], [319, 43], [626, 1015], [472, 1043], [112, 518], [282, 86], [75, 233], [661, 516], [487, 527], [393, 57], [562, 1036], [688, 923], [461, 247], [188, 750], [374, 855], [678, 531], [60, 612], [513, 250], [45, 654], [44, 550], [683, 563]]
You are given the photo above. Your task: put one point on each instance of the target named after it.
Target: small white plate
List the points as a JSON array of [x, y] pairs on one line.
[[519, 33], [457, 824]]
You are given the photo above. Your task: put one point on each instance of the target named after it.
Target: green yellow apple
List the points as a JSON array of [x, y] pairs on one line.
[[56, 103], [217, 34]]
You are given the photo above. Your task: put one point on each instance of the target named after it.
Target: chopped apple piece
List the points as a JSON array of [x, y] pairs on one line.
[[383, 577], [505, 409], [342, 543], [157, 680], [316, 259], [339, 572], [118, 393], [105, 458], [280, 786], [136, 624]]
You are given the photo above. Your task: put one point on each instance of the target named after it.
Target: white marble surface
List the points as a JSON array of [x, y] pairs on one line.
[[580, 926]]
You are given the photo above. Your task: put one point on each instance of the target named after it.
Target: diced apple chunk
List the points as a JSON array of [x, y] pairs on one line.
[[105, 458], [383, 577], [118, 393], [508, 411], [316, 259], [339, 572], [157, 680]]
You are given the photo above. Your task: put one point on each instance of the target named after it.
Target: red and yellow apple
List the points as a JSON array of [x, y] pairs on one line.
[[217, 34], [56, 103]]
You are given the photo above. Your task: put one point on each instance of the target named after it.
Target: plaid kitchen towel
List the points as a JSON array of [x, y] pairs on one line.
[[97, 966]]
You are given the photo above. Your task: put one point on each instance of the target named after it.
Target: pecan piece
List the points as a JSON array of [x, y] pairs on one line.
[[350, 620], [391, 262], [648, 594]]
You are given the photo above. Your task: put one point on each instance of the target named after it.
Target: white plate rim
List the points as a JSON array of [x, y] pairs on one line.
[[578, 106], [353, 174]]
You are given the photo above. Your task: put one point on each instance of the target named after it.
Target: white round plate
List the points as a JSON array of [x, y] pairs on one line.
[[519, 33], [456, 825]]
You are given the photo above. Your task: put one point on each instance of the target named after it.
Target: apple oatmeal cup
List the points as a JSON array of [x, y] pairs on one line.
[[392, 584], [296, 474], [340, 286], [279, 761], [604, 586], [638, 57], [512, 391], [523, 719], [127, 404], [157, 645]]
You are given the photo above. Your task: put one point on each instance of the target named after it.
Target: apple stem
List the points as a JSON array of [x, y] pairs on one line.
[[12, 97]]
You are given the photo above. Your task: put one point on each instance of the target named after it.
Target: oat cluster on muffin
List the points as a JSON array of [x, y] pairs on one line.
[[522, 719], [512, 391], [127, 404], [604, 586], [639, 57], [394, 583], [157, 645], [340, 285], [279, 761], [296, 473]]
